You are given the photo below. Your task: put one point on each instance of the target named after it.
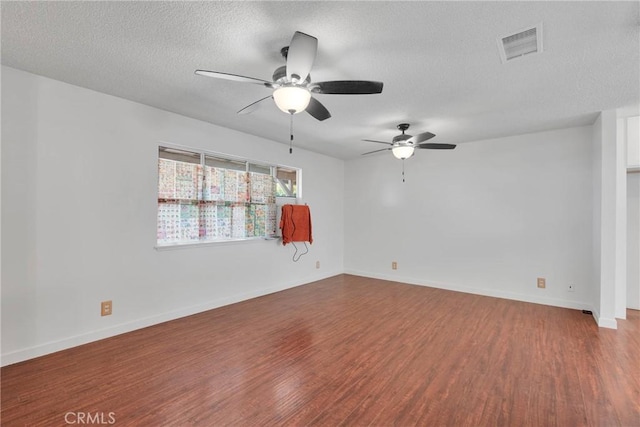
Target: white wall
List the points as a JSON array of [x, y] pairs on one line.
[[633, 141], [488, 217], [79, 188], [633, 212], [633, 241], [621, 219], [596, 259], [0, 218]]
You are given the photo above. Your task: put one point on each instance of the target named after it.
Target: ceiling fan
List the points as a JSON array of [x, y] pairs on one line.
[[403, 146], [292, 85]]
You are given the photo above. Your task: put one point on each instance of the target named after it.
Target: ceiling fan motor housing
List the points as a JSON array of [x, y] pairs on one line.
[[280, 77], [400, 138]]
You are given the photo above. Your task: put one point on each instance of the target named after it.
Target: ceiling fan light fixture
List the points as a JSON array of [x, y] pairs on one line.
[[402, 152], [292, 99]]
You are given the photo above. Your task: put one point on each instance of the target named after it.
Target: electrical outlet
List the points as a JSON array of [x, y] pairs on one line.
[[571, 288], [105, 308], [542, 282], [394, 265], [317, 264]]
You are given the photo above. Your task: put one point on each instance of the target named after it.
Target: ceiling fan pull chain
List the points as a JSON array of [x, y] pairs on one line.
[[402, 170], [291, 134]]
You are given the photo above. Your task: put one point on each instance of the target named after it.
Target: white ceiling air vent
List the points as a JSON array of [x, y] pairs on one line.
[[522, 43]]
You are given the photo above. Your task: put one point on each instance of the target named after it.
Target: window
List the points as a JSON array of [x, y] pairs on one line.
[[286, 182], [206, 197]]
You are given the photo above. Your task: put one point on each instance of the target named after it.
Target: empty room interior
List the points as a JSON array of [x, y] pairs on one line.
[[320, 213]]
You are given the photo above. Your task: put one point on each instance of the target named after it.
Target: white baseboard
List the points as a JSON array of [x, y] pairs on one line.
[[479, 291], [74, 341], [604, 322]]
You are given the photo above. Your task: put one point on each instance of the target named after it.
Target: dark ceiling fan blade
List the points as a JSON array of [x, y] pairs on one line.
[[376, 151], [416, 139], [234, 77], [300, 56], [348, 87], [317, 110], [436, 146], [253, 106], [379, 142]]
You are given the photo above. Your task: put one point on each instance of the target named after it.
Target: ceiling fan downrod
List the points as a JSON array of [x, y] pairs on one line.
[[403, 127]]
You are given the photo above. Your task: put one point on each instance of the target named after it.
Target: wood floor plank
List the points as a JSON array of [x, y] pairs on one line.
[[349, 351]]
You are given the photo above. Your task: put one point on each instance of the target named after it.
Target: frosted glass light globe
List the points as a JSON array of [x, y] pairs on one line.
[[402, 151], [292, 99]]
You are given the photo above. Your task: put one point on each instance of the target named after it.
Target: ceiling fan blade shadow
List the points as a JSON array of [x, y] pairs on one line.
[[348, 87], [379, 142], [416, 139], [376, 151], [233, 77], [436, 146], [317, 110], [253, 106], [301, 55]]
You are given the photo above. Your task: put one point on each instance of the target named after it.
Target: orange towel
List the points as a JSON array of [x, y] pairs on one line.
[[295, 224]]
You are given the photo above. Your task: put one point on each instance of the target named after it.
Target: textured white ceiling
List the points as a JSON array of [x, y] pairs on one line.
[[439, 62]]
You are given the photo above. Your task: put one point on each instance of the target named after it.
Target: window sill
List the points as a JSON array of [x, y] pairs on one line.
[[174, 246]]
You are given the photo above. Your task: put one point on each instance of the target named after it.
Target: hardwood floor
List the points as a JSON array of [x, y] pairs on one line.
[[344, 351]]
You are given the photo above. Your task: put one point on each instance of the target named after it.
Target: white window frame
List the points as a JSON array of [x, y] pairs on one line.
[[204, 153]]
